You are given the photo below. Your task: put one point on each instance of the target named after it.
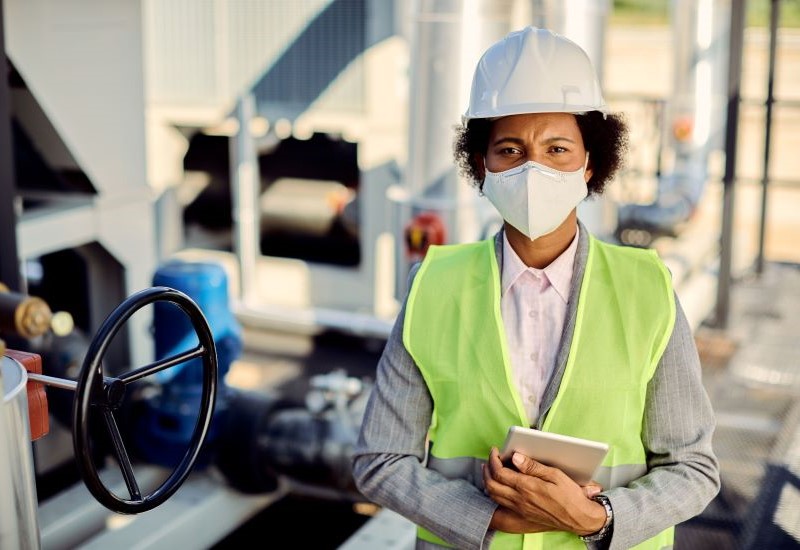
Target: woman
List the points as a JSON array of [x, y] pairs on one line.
[[543, 326]]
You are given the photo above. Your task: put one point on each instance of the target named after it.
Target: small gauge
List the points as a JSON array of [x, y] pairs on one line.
[[62, 323]]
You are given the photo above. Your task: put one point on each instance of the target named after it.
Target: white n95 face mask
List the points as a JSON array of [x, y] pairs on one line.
[[535, 198]]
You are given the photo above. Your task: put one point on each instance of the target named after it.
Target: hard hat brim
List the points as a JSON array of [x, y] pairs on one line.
[[538, 108]]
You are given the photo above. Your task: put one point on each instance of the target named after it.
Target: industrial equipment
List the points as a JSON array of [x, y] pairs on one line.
[[692, 124], [176, 413], [98, 395]]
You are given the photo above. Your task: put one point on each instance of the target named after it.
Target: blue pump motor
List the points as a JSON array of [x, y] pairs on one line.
[[168, 418]]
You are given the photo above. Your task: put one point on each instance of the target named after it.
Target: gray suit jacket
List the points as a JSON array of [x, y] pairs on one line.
[[683, 477]]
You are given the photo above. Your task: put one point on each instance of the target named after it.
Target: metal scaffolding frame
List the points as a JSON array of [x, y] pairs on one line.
[[735, 50], [774, 17]]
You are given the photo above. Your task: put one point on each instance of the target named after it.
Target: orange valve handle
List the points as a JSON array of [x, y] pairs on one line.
[[38, 416]]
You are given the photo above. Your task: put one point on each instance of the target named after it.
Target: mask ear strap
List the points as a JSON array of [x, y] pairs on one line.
[[480, 186], [586, 162]]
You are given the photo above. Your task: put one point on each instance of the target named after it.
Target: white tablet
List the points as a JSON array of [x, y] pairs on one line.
[[576, 457]]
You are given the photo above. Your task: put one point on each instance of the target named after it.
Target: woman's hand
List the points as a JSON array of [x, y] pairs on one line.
[[510, 522], [540, 498]]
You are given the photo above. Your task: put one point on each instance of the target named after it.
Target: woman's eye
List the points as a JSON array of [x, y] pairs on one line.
[[557, 149], [510, 151]]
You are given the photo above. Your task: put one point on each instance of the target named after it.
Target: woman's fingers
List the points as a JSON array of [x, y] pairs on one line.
[[510, 487], [501, 483], [531, 467]]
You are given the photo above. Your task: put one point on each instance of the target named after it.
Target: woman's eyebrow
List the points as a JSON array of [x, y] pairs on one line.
[[516, 141], [558, 138], [519, 141]]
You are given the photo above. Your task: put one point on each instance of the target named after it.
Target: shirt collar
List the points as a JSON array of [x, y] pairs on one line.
[[558, 273]]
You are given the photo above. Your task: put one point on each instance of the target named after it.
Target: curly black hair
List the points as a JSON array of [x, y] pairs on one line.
[[605, 138]]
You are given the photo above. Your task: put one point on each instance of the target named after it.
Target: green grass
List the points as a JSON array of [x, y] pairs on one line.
[[657, 12], [758, 13], [640, 12]]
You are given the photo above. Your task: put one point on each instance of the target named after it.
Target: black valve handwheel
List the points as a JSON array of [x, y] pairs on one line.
[[95, 392]]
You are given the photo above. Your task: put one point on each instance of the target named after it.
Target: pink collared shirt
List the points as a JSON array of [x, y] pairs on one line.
[[533, 305]]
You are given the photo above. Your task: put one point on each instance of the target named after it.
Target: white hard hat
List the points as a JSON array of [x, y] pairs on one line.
[[534, 71]]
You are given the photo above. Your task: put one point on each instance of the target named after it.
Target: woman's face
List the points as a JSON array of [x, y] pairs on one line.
[[552, 139]]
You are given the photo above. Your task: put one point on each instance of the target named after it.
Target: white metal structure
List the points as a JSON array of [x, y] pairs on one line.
[[82, 62], [205, 78], [404, 141]]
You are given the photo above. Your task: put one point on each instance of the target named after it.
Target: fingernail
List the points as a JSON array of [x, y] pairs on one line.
[[517, 459]]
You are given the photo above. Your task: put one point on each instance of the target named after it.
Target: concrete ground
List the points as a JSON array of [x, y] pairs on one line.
[[752, 373]]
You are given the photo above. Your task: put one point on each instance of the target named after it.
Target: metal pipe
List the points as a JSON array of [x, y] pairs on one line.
[[62, 383], [19, 524], [312, 320], [9, 259], [729, 179], [448, 38], [774, 17], [26, 316]]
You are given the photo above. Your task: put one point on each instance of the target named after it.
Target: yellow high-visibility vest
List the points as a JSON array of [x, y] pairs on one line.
[[454, 331]]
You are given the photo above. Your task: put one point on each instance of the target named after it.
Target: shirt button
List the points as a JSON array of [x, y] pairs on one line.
[[531, 313], [533, 357], [531, 399]]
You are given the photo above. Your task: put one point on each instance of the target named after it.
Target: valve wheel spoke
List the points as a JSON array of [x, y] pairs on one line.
[[122, 456]]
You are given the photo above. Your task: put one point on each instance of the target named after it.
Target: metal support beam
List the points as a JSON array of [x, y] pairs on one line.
[[773, 42], [738, 10], [9, 259], [245, 190]]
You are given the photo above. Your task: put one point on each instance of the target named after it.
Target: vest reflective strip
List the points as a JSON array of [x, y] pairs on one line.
[[424, 544], [464, 467], [503, 541], [469, 468], [620, 475]]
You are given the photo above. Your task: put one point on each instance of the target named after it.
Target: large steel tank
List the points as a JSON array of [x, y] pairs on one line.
[[19, 525], [447, 38]]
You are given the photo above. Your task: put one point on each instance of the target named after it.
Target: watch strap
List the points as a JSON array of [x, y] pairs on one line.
[[601, 534]]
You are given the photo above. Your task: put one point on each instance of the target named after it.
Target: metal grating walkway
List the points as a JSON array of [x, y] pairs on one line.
[[752, 373]]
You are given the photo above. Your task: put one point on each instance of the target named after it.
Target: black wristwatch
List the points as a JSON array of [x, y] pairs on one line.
[[601, 534]]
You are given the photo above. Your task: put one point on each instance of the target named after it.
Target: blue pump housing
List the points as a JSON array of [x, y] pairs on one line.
[[168, 420]]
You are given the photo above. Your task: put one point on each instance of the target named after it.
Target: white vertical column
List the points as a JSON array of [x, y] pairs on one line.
[[245, 187]]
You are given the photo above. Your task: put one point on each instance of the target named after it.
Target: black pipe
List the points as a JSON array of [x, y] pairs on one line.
[[268, 436], [738, 10], [774, 17], [9, 259]]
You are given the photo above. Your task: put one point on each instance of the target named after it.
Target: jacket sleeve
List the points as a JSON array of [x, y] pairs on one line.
[[683, 471], [388, 464]]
